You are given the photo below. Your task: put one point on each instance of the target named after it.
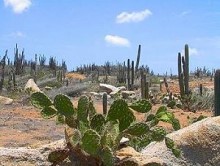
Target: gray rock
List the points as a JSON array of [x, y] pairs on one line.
[[5, 100]]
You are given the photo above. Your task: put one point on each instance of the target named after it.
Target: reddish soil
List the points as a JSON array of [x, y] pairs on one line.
[[24, 126]]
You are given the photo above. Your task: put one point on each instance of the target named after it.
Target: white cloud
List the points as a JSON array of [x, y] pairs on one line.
[[184, 13], [117, 40], [126, 17], [18, 6], [17, 34], [192, 51]]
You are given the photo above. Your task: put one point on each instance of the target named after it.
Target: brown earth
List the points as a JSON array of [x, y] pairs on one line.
[[24, 126]]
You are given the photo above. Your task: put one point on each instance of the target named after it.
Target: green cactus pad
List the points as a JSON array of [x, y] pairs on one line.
[[165, 117], [64, 105], [176, 152], [91, 142], [83, 126], [150, 117], [83, 108], [92, 110], [161, 109], [71, 121], [176, 124], [76, 137], [48, 112], [110, 135], [60, 119], [97, 122], [120, 111], [107, 156], [137, 129], [40, 100], [158, 133], [169, 143], [171, 104], [58, 156], [142, 106]]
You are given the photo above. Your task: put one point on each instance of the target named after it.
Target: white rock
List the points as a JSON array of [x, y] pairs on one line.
[[108, 88], [31, 86]]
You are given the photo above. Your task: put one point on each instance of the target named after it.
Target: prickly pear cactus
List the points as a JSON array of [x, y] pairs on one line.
[[48, 112], [165, 116], [83, 109], [60, 119], [137, 129], [107, 156], [71, 121], [40, 100], [64, 105], [91, 142], [58, 156], [169, 142], [76, 137], [111, 135], [120, 111], [142, 106], [97, 122], [158, 133]]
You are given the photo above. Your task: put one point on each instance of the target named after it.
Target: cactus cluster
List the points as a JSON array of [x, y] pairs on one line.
[[96, 137]]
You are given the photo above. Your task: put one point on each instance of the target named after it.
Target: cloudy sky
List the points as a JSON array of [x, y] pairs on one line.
[[96, 31]]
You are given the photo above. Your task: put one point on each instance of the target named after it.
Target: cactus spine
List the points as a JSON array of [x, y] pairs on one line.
[[217, 92]]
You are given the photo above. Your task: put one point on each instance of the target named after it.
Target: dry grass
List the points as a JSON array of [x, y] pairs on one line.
[[75, 76]]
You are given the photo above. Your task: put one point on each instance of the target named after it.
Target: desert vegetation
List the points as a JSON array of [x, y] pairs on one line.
[[134, 103]]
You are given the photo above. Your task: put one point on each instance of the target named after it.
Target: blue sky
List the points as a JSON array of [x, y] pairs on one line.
[[96, 31]]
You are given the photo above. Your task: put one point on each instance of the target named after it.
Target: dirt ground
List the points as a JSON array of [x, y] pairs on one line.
[[24, 126]]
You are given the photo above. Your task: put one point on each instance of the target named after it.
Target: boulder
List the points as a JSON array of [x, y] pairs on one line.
[[108, 88], [126, 94], [199, 143], [5, 100], [28, 156], [31, 86]]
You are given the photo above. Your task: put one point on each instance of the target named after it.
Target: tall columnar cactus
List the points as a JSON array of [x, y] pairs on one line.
[[180, 74], [104, 103], [128, 74], [144, 86], [183, 72], [138, 58], [217, 92], [132, 73], [186, 72], [2, 65]]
